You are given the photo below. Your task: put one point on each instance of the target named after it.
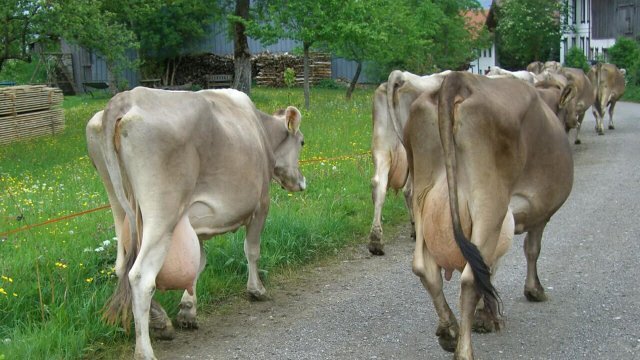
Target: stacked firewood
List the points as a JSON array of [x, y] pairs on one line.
[[271, 68], [30, 111], [266, 68], [194, 68]]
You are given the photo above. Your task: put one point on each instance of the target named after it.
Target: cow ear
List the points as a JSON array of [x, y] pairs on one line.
[[567, 95], [293, 119]]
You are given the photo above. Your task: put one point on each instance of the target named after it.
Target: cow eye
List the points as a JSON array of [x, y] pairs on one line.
[[302, 143]]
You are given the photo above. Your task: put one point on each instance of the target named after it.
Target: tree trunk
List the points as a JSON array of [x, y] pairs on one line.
[[241, 52], [354, 81], [306, 47]]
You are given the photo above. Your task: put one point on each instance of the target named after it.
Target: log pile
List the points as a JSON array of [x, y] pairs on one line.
[[30, 111], [194, 68], [266, 68], [271, 67]]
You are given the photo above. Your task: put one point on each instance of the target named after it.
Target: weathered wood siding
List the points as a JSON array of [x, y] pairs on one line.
[[615, 18]]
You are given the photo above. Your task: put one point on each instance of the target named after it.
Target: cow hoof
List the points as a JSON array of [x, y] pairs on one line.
[[535, 295], [375, 241], [484, 323], [413, 234], [577, 142], [164, 332], [611, 127], [376, 248], [257, 295], [447, 337]]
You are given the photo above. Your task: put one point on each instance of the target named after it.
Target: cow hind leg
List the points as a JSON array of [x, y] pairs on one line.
[[611, 107], [469, 298], [379, 184], [142, 276], [533, 290], [160, 325], [186, 318], [425, 267]]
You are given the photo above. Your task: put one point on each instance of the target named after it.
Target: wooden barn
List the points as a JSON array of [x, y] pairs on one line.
[[598, 23]]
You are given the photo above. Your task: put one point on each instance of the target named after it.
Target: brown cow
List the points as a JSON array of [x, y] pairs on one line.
[[609, 85], [584, 98], [536, 67], [391, 103], [181, 167], [500, 163]]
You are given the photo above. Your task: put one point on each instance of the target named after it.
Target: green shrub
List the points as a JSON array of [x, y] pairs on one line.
[[575, 58], [328, 84]]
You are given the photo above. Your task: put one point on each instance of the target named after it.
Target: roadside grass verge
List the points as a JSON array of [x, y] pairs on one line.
[[54, 279]]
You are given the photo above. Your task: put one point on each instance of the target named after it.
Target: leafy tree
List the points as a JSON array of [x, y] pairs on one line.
[[528, 30], [88, 24], [20, 22], [241, 52], [575, 58], [164, 28], [307, 21]]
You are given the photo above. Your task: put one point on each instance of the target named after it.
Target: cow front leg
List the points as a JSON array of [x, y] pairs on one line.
[[533, 290], [186, 317], [430, 275], [611, 107], [468, 300], [255, 289], [379, 184]]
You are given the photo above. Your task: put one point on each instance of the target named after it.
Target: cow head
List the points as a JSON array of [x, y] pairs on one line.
[[568, 114], [287, 153]]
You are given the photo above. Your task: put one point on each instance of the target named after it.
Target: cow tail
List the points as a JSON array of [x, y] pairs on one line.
[[395, 81], [452, 93], [118, 307]]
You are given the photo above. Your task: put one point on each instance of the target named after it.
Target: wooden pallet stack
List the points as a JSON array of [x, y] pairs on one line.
[[30, 111]]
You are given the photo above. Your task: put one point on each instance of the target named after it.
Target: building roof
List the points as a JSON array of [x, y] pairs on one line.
[[476, 20]]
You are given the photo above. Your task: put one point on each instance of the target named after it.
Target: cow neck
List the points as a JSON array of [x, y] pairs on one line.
[[276, 131]]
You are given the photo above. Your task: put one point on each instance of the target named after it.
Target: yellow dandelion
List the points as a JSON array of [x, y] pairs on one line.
[[3, 292], [6, 278], [89, 280], [15, 295]]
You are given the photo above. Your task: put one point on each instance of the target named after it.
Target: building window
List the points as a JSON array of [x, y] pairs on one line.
[[574, 4], [584, 14], [573, 41], [589, 47], [490, 52], [582, 43], [588, 11]]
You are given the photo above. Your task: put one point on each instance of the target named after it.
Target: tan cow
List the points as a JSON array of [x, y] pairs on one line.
[[488, 158], [536, 67], [609, 85], [391, 103], [180, 167], [584, 98]]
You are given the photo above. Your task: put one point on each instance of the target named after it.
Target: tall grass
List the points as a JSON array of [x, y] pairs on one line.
[[54, 279]]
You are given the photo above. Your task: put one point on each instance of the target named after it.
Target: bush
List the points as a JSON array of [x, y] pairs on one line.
[[328, 84], [625, 54], [575, 58]]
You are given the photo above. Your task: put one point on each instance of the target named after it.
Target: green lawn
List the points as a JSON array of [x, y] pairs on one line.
[[55, 278]]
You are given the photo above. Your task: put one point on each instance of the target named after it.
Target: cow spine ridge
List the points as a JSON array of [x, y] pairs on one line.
[[396, 80], [452, 93], [118, 307]]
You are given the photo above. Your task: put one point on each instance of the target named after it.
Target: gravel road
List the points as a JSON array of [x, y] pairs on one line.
[[363, 307]]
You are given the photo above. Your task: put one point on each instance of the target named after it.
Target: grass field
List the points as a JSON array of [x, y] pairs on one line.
[[54, 279]]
